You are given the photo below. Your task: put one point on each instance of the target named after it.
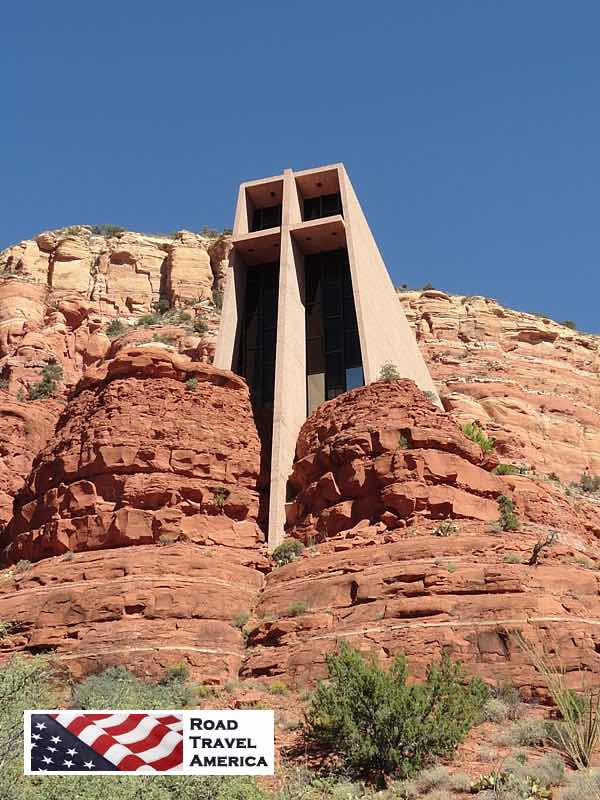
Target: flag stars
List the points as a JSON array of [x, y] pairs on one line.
[[68, 763], [46, 760], [40, 725], [72, 752], [55, 739], [52, 749], [35, 736], [89, 764]]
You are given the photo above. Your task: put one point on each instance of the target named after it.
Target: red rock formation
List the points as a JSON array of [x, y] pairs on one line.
[[152, 449], [139, 454], [533, 383], [384, 454], [384, 451], [141, 607]]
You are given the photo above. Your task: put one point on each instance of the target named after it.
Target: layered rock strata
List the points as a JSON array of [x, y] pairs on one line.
[[154, 462], [406, 554], [533, 383], [385, 452]]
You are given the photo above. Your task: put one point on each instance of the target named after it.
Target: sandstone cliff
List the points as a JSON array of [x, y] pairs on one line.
[[532, 382], [130, 494]]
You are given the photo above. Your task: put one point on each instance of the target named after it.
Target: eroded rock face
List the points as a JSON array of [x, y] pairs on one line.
[[419, 594], [385, 452], [124, 274], [154, 463], [376, 471], [141, 607], [149, 444], [534, 384]]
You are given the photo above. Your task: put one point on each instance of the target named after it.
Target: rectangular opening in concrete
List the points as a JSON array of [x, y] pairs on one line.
[[258, 332], [319, 194], [333, 357], [263, 205]]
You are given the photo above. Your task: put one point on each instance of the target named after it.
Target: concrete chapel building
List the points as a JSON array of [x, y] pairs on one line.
[[309, 309]]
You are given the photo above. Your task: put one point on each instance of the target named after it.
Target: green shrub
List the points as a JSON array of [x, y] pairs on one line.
[[175, 672], [69, 556], [589, 483], [512, 558], [509, 469], [508, 521], [220, 495], [568, 323], [191, 384], [117, 687], [115, 328], [4, 384], [473, 432], [445, 528], [554, 477], [107, 230], [52, 375], [278, 687], [5, 629], [200, 325], [403, 442], [22, 565], [288, 550], [389, 372], [148, 319], [378, 724], [495, 710], [240, 620], [524, 732], [163, 338], [296, 609]]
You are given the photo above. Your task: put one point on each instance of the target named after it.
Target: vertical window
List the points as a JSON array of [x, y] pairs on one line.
[[269, 217], [326, 205], [333, 358], [259, 332]]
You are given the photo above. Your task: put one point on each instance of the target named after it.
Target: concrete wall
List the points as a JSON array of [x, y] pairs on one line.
[[385, 334]]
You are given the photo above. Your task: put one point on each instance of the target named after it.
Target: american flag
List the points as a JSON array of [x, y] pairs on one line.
[[119, 741]]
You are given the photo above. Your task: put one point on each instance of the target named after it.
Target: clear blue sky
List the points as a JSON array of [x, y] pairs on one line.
[[471, 130]]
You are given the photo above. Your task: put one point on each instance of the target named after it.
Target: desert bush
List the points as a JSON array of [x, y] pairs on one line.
[[377, 724], [589, 483], [200, 325], [117, 687], [296, 609], [4, 384], [524, 732], [115, 328], [278, 687], [510, 469], [495, 710], [240, 620], [191, 384], [583, 785], [508, 521], [52, 375], [473, 432], [146, 320], [445, 528], [22, 565], [577, 733], [220, 495], [389, 372], [403, 442], [287, 551], [568, 323], [107, 230], [163, 338]]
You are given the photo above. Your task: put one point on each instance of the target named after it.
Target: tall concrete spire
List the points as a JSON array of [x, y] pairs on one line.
[[309, 309]]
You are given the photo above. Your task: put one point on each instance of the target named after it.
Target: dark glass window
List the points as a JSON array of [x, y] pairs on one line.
[[327, 205], [333, 358], [264, 218], [259, 332]]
